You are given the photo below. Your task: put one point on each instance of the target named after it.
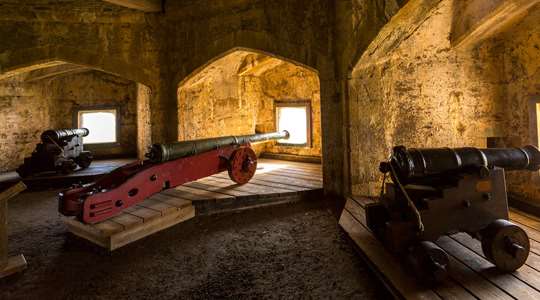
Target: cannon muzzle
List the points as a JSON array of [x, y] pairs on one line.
[[167, 152], [61, 134], [413, 163]]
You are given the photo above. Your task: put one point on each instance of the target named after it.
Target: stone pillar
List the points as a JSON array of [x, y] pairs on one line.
[[164, 113], [3, 234], [144, 124], [332, 138]]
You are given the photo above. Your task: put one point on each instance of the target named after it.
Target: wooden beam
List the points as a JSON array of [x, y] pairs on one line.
[[19, 71], [144, 5], [14, 264], [478, 20], [54, 71], [260, 67]]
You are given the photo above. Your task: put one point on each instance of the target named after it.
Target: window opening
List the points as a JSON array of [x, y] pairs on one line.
[[296, 119], [102, 124]]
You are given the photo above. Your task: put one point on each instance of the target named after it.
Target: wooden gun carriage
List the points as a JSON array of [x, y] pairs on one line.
[[60, 151], [442, 191], [167, 166]]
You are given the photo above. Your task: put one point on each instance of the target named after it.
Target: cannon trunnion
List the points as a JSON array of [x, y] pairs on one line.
[[60, 151], [442, 191]]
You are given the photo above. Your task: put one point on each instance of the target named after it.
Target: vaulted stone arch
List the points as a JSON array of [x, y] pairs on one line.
[[297, 54], [37, 64], [184, 78], [22, 59]]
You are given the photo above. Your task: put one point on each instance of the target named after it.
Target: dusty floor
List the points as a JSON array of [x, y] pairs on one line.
[[288, 251]]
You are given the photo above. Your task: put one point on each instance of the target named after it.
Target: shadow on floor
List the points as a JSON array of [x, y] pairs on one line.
[[288, 251]]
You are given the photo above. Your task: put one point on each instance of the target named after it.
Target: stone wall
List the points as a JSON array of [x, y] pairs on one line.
[[356, 24], [412, 88], [235, 95], [285, 83], [478, 20], [92, 33], [520, 91], [199, 31], [210, 103], [29, 108], [160, 50], [24, 113], [297, 30], [92, 90], [144, 120]]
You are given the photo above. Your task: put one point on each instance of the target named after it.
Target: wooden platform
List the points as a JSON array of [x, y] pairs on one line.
[[275, 182], [292, 157], [150, 216], [9, 265], [53, 180], [471, 275]]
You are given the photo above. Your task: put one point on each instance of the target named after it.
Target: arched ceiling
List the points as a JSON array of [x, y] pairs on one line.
[[143, 5]]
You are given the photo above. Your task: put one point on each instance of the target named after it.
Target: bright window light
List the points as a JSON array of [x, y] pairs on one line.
[[102, 126], [295, 121]]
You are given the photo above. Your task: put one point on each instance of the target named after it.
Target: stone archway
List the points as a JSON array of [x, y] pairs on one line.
[[26, 59], [331, 127], [240, 92], [47, 93]]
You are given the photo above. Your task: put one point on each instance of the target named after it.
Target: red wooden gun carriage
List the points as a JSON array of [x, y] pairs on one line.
[[167, 166]]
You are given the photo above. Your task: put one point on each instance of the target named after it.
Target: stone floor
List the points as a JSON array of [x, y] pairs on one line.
[[289, 251]]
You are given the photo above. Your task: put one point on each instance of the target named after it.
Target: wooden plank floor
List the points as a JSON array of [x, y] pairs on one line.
[[471, 275], [274, 182]]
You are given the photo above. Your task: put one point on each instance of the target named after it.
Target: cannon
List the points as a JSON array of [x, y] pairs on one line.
[[60, 151], [444, 191], [166, 166]]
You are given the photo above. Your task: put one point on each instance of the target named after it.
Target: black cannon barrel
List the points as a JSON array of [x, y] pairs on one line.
[[167, 152], [61, 134], [419, 163]]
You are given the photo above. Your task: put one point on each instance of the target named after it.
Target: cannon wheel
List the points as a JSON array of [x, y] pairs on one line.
[[242, 165], [429, 262], [67, 167], [84, 160], [505, 244]]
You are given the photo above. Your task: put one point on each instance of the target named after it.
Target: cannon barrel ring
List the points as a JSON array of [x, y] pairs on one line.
[[60, 134], [419, 163]]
